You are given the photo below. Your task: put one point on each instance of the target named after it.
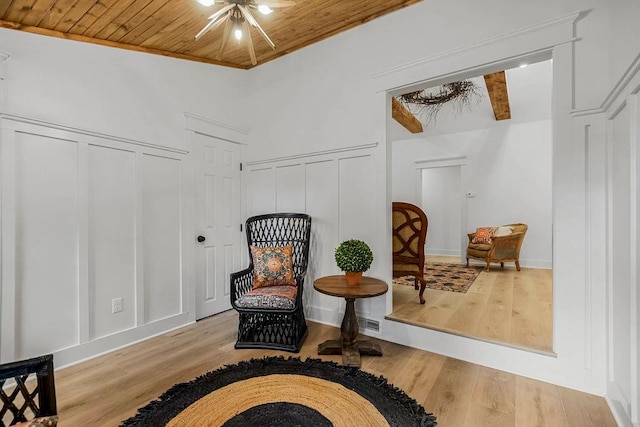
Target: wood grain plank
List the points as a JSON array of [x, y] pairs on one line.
[[106, 17], [73, 15], [118, 26], [96, 11], [129, 30], [585, 410], [166, 19], [402, 115], [538, 404], [451, 395], [55, 14], [37, 12], [495, 390], [4, 7], [108, 389]]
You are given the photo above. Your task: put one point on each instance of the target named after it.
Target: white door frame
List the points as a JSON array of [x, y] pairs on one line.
[[226, 132]]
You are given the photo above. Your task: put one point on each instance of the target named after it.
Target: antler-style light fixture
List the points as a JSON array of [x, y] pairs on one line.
[[237, 17]]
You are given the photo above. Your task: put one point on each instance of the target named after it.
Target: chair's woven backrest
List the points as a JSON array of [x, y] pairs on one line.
[[409, 230], [281, 229], [24, 397]]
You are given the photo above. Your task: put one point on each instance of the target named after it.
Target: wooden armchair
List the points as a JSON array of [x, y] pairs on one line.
[[409, 235], [270, 308], [30, 395], [503, 246]]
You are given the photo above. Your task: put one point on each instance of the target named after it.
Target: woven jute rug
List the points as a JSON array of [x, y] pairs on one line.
[[275, 391], [445, 277]]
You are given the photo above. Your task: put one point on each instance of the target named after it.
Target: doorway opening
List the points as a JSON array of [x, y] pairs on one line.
[[505, 178]]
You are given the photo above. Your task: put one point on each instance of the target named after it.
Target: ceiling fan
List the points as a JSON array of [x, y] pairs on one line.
[[237, 17]]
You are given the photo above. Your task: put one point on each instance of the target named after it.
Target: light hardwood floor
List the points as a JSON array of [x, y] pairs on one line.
[[503, 305], [106, 390]]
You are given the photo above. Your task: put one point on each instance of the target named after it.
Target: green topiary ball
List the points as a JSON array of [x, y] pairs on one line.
[[353, 255]]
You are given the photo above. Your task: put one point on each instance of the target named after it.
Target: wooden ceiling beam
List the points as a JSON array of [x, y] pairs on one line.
[[402, 115], [497, 88]]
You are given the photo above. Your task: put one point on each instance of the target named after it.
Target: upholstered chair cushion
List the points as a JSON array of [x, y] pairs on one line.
[[272, 266], [269, 297]]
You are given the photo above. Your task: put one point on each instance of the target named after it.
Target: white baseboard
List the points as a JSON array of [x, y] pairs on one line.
[[89, 350]]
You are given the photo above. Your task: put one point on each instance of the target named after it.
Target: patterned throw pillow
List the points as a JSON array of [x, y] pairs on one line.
[[272, 266], [483, 235]]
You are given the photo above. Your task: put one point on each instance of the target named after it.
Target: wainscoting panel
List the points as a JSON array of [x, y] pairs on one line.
[[161, 247], [623, 140], [112, 245], [290, 192], [335, 189], [92, 229], [261, 191], [46, 244], [321, 184]]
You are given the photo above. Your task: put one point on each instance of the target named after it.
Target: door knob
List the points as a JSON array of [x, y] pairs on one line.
[[201, 239]]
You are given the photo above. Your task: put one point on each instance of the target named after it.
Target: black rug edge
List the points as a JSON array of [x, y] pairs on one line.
[[423, 418]]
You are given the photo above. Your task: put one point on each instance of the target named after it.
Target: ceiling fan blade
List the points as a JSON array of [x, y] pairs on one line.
[[276, 3], [251, 20], [252, 53], [215, 21], [228, 27], [221, 11]]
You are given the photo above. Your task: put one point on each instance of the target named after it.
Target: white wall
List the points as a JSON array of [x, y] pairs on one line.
[[509, 169], [333, 97], [330, 97], [97, 196], [127, 94]]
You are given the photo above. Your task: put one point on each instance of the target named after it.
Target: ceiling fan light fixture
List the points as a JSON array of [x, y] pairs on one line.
[[239, 19], [264, 9]]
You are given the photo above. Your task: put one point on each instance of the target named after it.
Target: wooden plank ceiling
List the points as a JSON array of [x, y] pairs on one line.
[[168, 27]]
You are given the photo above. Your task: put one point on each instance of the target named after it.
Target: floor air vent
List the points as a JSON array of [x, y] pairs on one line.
[[372, 325]]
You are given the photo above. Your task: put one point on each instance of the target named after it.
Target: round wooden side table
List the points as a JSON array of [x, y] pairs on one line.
[[348, 346]]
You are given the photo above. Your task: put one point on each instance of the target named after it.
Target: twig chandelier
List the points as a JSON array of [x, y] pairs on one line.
[[428, 102]]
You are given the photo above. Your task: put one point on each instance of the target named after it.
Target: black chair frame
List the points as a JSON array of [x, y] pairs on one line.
[[274, 328], [17, 399]]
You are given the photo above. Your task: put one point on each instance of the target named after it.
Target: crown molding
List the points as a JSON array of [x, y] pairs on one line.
[[562, 21]]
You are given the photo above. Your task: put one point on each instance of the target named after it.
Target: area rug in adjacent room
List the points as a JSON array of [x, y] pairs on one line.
[[445, 277], [275, 391]]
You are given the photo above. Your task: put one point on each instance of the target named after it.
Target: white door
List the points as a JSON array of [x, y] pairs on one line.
[[218, 238], [441, 201]]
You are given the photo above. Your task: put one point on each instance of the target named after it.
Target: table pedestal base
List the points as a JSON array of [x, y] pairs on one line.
[[350, 353]]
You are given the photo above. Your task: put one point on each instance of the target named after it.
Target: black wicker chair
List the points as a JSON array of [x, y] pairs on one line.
[[26, 398], [281, 329]]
